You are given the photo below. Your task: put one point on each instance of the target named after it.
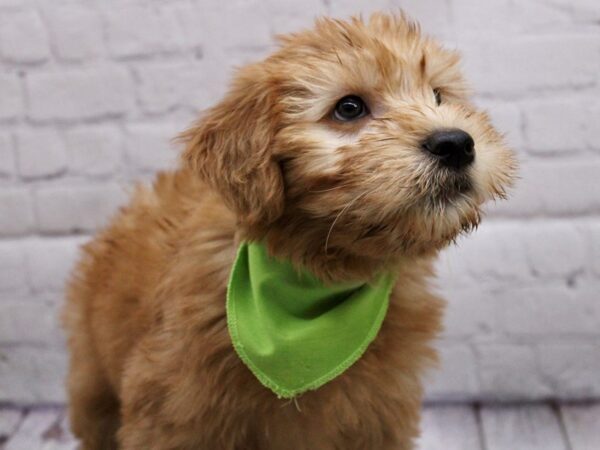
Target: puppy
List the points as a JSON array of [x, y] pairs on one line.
[[351, 151]]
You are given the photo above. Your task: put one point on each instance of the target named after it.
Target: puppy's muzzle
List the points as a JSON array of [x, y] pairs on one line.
[[453, 148]]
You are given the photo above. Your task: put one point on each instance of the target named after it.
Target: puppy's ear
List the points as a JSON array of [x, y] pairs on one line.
[[231, 148]]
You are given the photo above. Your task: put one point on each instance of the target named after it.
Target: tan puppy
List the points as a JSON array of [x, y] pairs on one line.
[[353, 149]]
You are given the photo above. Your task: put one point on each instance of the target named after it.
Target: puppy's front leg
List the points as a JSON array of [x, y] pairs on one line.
[[151, 419], [143, 400], [171, 401]]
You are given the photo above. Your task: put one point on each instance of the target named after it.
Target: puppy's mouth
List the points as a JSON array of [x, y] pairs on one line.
[[455, 186], [454, 202], [448, 188]]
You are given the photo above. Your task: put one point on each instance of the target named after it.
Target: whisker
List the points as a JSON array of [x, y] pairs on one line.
[[339, 59], [330, 189], [344, 186], [340, 214]]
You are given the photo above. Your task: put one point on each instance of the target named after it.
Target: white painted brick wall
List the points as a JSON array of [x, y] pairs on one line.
[[75, 32], [41, 153], [78, 94], [16, 212], [60, 209], [23, 38], [12, 100], [94, 151], [91, 93], [7, 156]]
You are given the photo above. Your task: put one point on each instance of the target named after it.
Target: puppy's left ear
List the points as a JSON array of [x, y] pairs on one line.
[[231, 148]]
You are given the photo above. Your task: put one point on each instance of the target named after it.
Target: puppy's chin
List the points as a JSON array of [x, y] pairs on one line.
[[428, 226], [434, 227], [445, 214], [422, 230]]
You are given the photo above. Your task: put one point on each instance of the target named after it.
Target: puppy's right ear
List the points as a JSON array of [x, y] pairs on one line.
[[230, 148]]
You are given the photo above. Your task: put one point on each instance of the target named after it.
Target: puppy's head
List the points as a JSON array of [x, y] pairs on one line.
[[353, 142]]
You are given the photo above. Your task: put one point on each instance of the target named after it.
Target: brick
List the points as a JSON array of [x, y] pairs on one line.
[[23, 38], [564, 187], [75, 94], [290, 15], [64, 209], [592, 129], [208, 26], [548, 310], [29, 322], [586, 10], [9, 4], [195, 38], [540, 17], [515, 250], [41, 153], [11, 105], [49, 262], [32, 375], [557, 126], [216, 78], [164, 87], [94, 150], [148, 147], [433, 16], [553, 249], [553, 187], [494, 253], [345, 9], [594, 247], [16, 212], [437, 23], [141, 30], [76, 32], [470, 311], [501, 16], [8, 164], [509, 372], [473, 15], [456, 378], [582, 10], [571, 368], [523, 65], [13, 271]]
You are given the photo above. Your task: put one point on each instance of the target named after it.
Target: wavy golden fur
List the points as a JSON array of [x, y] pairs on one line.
[[152, 365]]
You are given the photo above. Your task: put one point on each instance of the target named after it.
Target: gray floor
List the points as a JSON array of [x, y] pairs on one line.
[[445, 427]]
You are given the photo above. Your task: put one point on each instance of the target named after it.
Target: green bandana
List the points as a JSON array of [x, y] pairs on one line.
[[294, 332]]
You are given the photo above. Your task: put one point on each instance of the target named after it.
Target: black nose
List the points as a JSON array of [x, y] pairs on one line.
[[453, 148]]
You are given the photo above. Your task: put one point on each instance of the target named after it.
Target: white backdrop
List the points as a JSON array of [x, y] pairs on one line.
[[91, 92]]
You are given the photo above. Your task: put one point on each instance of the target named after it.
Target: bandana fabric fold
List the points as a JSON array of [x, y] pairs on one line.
[[294, 332]]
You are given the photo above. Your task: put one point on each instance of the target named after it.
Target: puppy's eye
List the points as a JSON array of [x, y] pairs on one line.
[[438, 96], [350, 108]]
